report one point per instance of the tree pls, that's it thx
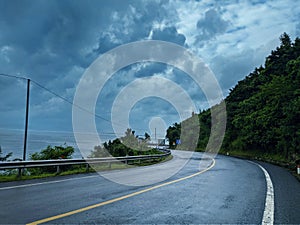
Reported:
(127, 145)
(100, 152)
(263, 110)
(56, 152)
(147, 137)
(173, 134)
(130, 140)
(4, 158)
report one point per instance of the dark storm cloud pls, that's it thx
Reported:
(169, 34)
(47, 38)
(53, 42)
(136, 23)
(211, 25)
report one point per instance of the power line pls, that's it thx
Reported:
(68, 101)
(57, 95)
(13, 76)
(104, 133)
(76, 105)
(63, 98)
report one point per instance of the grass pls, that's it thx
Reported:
(78, 169)
(14, 177)
(148, 162)
(256, 155)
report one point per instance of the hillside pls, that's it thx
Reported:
(263, 110)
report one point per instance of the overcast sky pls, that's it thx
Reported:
(54, 42)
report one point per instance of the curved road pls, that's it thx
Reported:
(226, 190)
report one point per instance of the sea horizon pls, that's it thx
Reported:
(12, 140)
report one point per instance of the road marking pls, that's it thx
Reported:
(120, 198)
(268, 216)
(46, 182)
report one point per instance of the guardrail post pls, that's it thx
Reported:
(20, 171)
(109, 165)
(87, 167)
(130, 161)
(57, 169)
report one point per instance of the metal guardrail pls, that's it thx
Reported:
(87, 161)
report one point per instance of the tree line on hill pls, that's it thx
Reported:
(263, 110)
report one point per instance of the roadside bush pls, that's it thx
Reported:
(56, 152)
(4, 158)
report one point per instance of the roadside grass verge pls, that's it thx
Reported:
(12, 175)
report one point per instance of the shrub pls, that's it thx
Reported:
(56, 152)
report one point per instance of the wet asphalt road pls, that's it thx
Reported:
(233, 191)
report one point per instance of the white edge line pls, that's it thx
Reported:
(46, 182)
(268, 216)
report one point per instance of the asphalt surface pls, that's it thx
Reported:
(287, 195)
(232, 191)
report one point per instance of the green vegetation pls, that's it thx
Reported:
(56, 152)
(113, 148)
(4, 158)
(263, 110)
(77, 169)
(184, 132)
(173, 134)
(128, 145)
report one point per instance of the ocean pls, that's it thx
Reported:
(12, 140)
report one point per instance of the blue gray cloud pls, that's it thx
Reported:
(211, 25)
(53, 42)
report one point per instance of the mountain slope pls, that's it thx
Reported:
(263, 110)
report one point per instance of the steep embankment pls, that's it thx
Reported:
(263, 110)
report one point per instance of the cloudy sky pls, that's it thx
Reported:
(54, 42)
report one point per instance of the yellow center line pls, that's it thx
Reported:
(120, 198)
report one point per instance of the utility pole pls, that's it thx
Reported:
(26, 119)
(155, 138)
